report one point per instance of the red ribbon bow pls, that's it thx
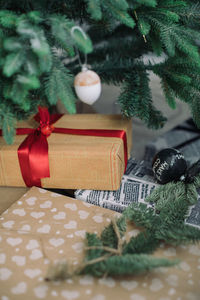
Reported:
(33, 151)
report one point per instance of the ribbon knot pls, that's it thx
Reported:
(46, 129)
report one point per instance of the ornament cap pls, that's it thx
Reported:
(84, 68)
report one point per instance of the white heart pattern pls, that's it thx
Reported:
(42, 191)
(71, 225)
(14, 241)
(32, 244)
(46, 204)
(2, 258)
(108, 281)
(70, 295)
(19, 260)
(20, 288)
(32, 273)
(5, 273)
(26, 227)
(98, 219)
(194, 250)
(102, 297)
(83, 214)
(31, 200)
(78, 247)
(86, 280)
(55, 195)
(80, 233)
(129, 285)
(36, 254)
(41, 291)
(70, 236)
(56, 242)
(19, 211)
(71, 206)
(37, 215)
(4, 298)
(87, 204)
(60, 216)
(8, 224)
(44, 229)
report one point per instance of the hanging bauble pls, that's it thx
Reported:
(169, 165)
(87, 85)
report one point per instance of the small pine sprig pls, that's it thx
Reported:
(102, 260)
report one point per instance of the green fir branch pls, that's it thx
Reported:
(58, 86)
(129, 264)
(116, 28)
(13, 62)
(136, 99)
(94, 9)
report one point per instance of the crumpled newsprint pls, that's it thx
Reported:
(136, 185)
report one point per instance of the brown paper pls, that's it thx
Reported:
(75, 161)
(44, 227)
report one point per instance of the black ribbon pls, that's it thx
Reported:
(193, 128)
(192, 172)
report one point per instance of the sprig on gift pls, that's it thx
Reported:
(101, 260)
(111, 255)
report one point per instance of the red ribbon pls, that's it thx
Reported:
(33, 151)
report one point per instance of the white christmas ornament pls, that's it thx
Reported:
(87, 85)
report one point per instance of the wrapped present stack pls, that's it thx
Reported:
(43, 228)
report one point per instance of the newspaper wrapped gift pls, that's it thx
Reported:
(43, 227)
(75, 161)
(184, 137)
(136, 185)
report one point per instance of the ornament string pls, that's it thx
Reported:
(84, 64)
(87, 83)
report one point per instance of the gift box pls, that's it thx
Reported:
(75, 161)
(42, 228)
(184, 137)
(137, 183)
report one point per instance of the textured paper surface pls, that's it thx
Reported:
(75, 161)
(42, 227)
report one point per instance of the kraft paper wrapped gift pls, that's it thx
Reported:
(43, 227)
(86, 162)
